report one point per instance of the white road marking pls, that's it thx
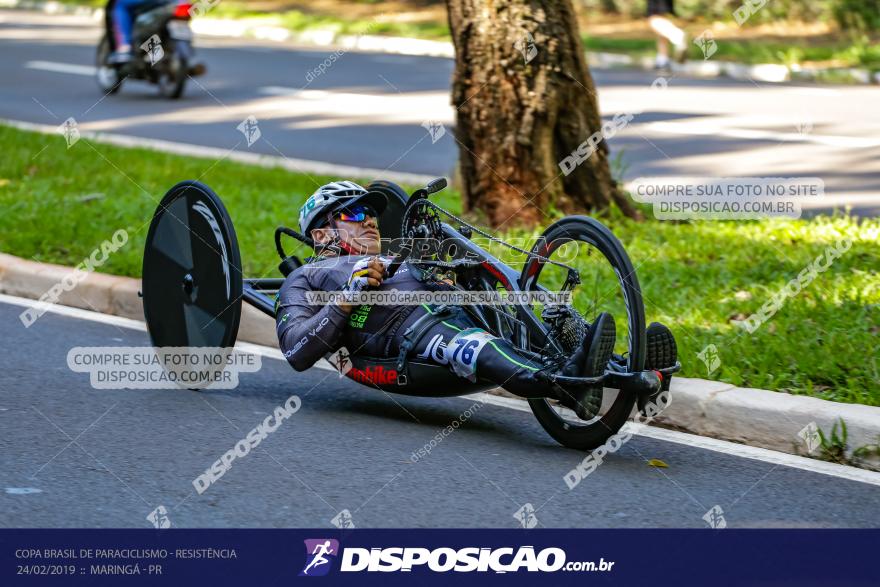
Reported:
(22, 490)
(722, 446)
(710, 129)
(56, 67)
(386, 107)
(76, 312)
(810, 91)
(730, 448)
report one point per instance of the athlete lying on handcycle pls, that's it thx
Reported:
(341, 219)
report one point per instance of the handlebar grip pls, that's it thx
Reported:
(397, 262)
(436, 185)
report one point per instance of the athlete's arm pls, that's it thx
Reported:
(306, 332)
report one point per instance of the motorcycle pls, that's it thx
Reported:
(164, 54)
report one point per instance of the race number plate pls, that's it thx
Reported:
(179, 30)
(463, 350)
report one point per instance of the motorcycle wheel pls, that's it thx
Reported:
(108, 77)
(608, 283)
(172, 78)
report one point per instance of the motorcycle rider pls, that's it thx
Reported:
(119, 16)
(341, 218)
(119, 21)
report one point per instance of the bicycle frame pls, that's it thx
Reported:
(448, 255)
(493, 271)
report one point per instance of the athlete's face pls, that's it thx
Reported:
(357, 228)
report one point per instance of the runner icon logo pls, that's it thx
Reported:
(319, 554)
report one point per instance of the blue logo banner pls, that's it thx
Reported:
(437, 557)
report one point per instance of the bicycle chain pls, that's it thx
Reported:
(493, 238)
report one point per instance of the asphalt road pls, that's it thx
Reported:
(74, 456)
(367, 110)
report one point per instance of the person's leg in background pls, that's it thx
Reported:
(122, 27)
(662, 60)
(666, 31)
(108, 23)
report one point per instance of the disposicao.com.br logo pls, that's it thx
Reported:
(441, 560)
(318, 553)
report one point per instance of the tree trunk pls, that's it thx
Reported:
(525, 100)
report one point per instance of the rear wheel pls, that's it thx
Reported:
(192, 279)
(107, 76)
(172, 75)
(391, 219)
(607, 283)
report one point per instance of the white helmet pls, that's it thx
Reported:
(335, 196)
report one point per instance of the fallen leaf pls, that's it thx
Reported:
(657, 463)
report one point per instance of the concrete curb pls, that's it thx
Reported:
(759, 72)
(765, 419)
(108, 294)
(755, 417)
(225, 27)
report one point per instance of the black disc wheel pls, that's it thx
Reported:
(606, 282)
(192, 280)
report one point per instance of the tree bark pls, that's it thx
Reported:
(525, 100)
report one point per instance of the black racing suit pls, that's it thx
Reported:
(307, 332)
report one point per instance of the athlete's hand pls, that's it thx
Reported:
(368, 272)
(375, 271)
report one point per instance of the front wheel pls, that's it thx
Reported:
(107, 76)
(605, 281)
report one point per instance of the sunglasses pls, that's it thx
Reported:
(356, 214)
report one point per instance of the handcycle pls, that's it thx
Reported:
(193, 289)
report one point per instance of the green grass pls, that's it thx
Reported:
(59, 204)
(91, 3)
(848, 52)
(299, 21)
